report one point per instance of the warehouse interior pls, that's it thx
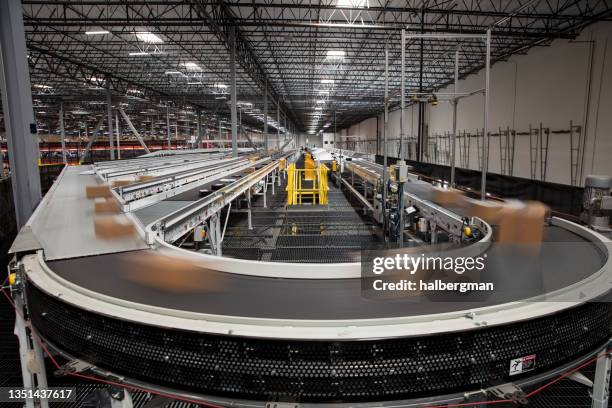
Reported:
(230, 203)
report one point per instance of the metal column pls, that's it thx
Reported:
(168, 125)
(199, 129)
(62, 133)
(385, 131)
(265, 116)
(118, 133)
(249, 211)
(109, 116)
(486, 136)
(21, 134)
(92, 139)
(278, 124)
(233, 91)
(403, 93)
(454, 135)
(265, 191)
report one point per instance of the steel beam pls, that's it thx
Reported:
(92, 139)
(403, 92)
(454, 135)
(133, 129)
(385, 131)
(21, 133)
(199, 134)
(222, 21)
(118, 134)
(234, 100)
(168, 125)
(109, 122)
(486, 136)
(62, 133)
(265, 116)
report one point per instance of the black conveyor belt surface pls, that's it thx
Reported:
(252, 296)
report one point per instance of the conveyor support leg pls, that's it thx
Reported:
(265, 191)
(214, 234)
(31, 356)
(601, 383)
(250, 213)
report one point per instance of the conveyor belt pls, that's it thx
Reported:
(260, 330)
(566, 260)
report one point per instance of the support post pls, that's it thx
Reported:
(403, 94)
(249, 211)
(133, 129)
(385, 131)
(265, 116)
(118, 133)
(199, 130)
(92, 139)
(601, 383)
(62, 133)
(265, 191)
(486, 136)
(234, 101)
(29, 348)
(21, 133)
(454, 135)
(109, 121)
(168, 125)
(278, 124)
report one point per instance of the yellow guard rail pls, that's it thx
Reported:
(316, 175)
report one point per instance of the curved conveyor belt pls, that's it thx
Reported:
(258, 338)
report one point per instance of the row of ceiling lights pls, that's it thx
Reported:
(333, 56)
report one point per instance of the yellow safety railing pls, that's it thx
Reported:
(309, 168)
(323, 187)
(296, 191)
(291, 185)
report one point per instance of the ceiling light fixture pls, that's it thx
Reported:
(335, 54)
(352, 3)
(149, 37)
(192, 66)
(327, 81)
(97, 32)
(138, 54)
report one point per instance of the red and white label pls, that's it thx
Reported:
(522, 364)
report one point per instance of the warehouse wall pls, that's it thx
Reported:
(548, 87)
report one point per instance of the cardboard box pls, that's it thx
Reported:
(113, 227)
(447, 196)
(169, 273)
(485, 210)
(144, 177)
(106, 205)
(98, 191)
(122, 183)
(522, 223)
